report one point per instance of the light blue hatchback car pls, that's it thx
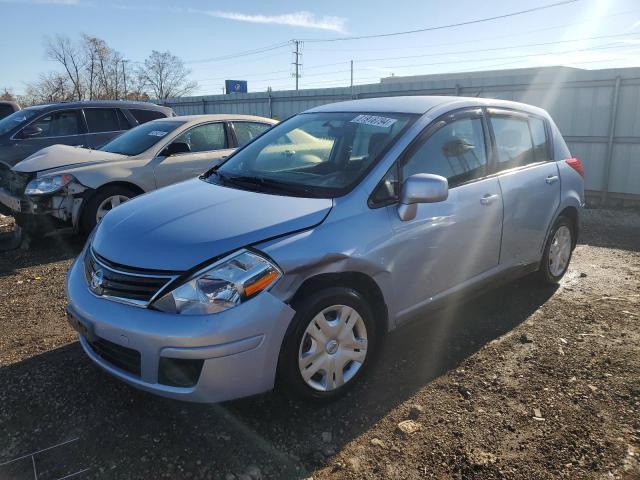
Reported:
(291, 260)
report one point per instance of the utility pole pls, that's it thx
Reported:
(296, 62)
(351, 78)
(124, 78)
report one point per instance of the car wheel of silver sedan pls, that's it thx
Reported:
(557, 251)
(109, 204)
(329, 344)
(102, 202)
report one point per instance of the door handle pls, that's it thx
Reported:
(551, 179)
(488, 199)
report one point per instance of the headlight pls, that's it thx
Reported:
(47, 184)
(224, 285)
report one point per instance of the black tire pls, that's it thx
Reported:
(289, 375)
(544, 273)
(88, 218)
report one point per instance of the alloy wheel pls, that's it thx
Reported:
(560, 251)
(109, 204)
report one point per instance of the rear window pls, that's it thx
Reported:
(103, 120)
(247, 131)
(5, 110)
(144, 116)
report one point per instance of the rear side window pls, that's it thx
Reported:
(514, 143)
(144, 116)
(247, 131)
(204, 138)
(103, 120)
(59, 124)
(455, 151)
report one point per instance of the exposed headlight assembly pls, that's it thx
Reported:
(224, 285)
(47, 184)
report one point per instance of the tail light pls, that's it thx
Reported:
(576, 164)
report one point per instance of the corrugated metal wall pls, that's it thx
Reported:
(604, 133)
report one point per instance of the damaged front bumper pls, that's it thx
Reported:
(41, 212)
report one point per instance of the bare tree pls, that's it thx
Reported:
(7, 95)
(50, 87)
(164, 75)
(61, 49)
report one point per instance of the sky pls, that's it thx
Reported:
(211, 37)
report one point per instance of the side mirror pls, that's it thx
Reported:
(31, 131)
(175, 148)
(421, 188)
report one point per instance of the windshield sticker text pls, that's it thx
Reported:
(374, 120)
(157, 133)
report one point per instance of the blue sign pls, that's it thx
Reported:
(235, 86)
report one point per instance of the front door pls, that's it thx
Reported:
(450, 242)
(530, 184)
(208, 145)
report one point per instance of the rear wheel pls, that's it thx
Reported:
(557, 251)
(102, 202)
(329, 345)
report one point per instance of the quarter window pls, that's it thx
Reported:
(102, 120)
(247, 131)
(144, 116)
(59, 124)
(539, 135)
(455, 151)
(203, 138)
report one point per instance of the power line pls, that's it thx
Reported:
(242, 54)
(475, 40)
(441, 27)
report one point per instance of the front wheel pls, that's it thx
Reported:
(329, 346)
(102, 202)
(557, 251)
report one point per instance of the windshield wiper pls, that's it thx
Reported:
(265, 183)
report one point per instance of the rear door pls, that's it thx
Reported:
(208, 145)
(64, 127)
(103, 124)
(529, 181)
(450, 242)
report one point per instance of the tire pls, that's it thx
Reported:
(89, 218)
(557, 251)
(339, 361)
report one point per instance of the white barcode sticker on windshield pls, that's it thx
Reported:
(157, 133)
(374, 120)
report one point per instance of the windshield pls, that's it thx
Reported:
(15, 119)
(140, 138)
(313, 154)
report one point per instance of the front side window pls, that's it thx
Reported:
(514, 145)
(204, 138)
(102, 120)
(313, 154)
(15, 119)
(455, 151)
(247, 131)
(141, 138)
(58, 124)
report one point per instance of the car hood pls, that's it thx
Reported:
(57, 156)
(181, 226)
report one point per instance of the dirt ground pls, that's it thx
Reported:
(524, 382)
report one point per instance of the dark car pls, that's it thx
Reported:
(88, 124)
(7, 107)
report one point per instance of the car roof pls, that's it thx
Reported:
(418, 104)
(103, 103)
(217, 117)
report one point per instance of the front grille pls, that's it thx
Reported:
(121, 357)
(13, 182)
(132, 285)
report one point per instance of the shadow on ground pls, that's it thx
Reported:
(124, 433)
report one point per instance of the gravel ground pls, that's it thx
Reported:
(524, 382)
